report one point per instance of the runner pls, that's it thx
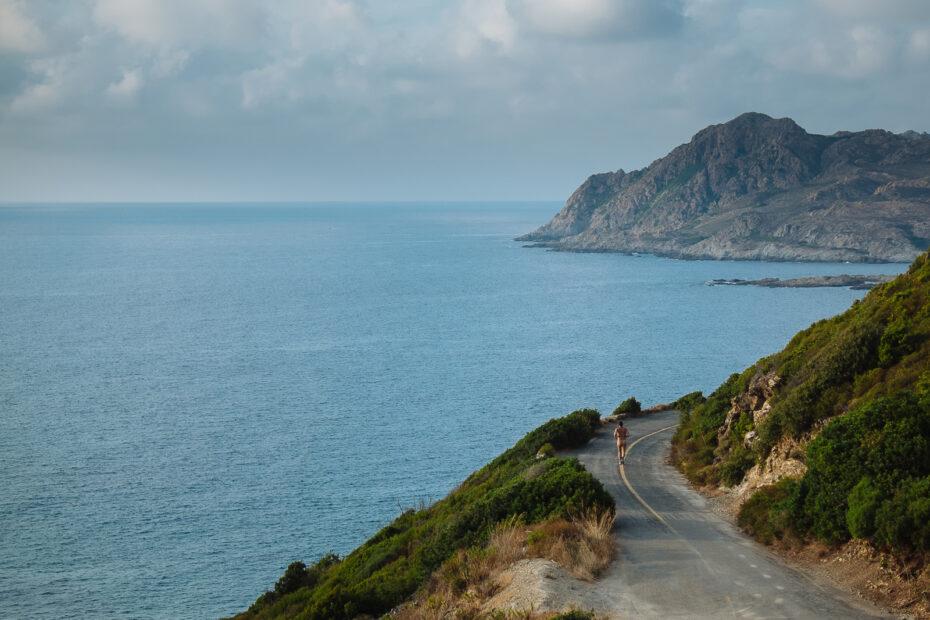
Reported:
(620, 434)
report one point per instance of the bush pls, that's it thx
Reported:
(903, 523)
(695, 442)
(736, 465)
(576, 615)
(768, 514)
(864, 501)
(545, 451)
(629, 406)
(864, 471)
(689, 401)
(897, 340)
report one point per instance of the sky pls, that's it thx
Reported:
(364, 100)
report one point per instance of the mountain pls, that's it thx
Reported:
(760, 188)
(828, 439)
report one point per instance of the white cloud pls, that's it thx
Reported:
(482, 25)
(919, 44)
(273, 83)
(884, 10)
(183, 23)
(49, 91)
(818, 45)
(127, 87)
(318, 49)
(598, 82)
(597, 19)
(18, 33)
(170, 62)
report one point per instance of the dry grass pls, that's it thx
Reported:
(583, 545)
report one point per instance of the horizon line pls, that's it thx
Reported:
(13, 203)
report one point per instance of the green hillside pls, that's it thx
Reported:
(392, 564)
(854, 392)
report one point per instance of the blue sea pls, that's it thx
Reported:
(194, 396)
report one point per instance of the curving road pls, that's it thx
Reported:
(678, 559)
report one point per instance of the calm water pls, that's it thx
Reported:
(191, 397)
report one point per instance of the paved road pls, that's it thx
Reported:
(678, 559)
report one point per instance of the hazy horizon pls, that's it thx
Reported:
(470, 100)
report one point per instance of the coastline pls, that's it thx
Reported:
(688, 256)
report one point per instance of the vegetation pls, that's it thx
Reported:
(545, 451)
(629, 406)
(856, 390)
(582, 544)
(767, 515)
(391, 565)
(576, 615)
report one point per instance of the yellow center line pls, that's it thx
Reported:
(629, 486)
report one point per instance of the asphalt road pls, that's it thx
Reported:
(678, 559)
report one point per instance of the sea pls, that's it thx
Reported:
(192, 396)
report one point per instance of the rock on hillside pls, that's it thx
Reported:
(764, 189)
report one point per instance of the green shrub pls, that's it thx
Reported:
(768, 514)
(897, 340)
(689, 401)
(864, 501)
(862, 470)
(630, 405)
(903, 522)
(545, 451)
(695, 441)
(736, 465)
(576, 615)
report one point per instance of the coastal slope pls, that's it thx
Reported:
(450, 541)
(827, 442)
(760, 188)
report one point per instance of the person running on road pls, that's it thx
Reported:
(620, 435)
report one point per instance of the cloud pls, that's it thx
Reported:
(598, 19)
(127, 87)
(182, 23)
(18, 33)
(49, 91)
(458, 93)
(481, 26)
(312, 43)
(886, 10)
(919, 44)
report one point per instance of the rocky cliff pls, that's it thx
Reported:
(763, 189)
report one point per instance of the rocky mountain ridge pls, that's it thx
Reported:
(760, 188)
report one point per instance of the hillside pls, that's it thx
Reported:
(760, 188)
(829, 439)
(515, 488)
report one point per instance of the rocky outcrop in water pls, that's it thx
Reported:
(855, 282)
(763, 189)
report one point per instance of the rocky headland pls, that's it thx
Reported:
(760, 188)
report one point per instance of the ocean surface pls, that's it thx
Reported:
(193, 396)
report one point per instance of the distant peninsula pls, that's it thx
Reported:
(760, 188)
(859, 283)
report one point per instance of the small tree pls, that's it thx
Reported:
(630, 405)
